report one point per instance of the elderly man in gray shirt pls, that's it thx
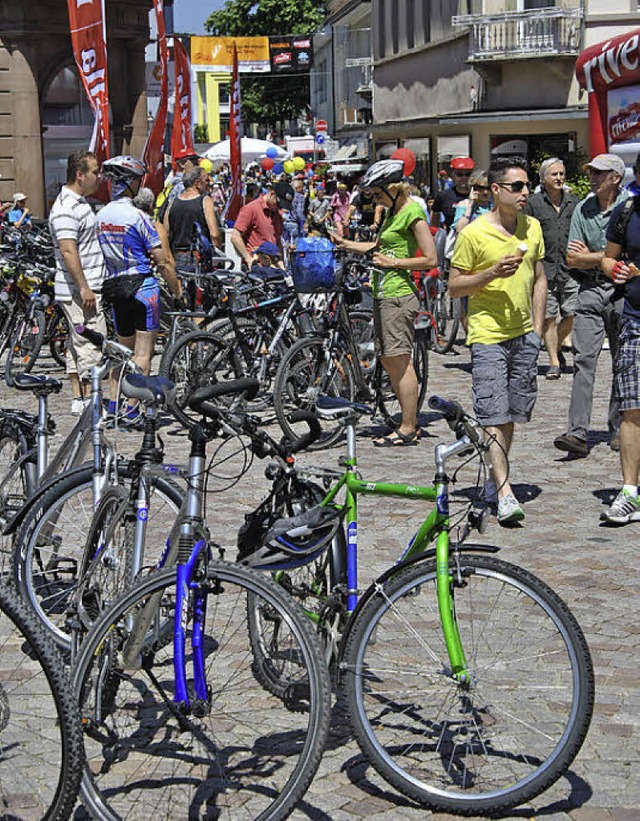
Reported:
(599, 304)
(553, 207)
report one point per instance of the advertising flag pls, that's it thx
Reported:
(235, 145)
(86, 23)
(153, 155)
(181, 134)
(290, 54)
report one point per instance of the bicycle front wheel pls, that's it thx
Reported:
(309, 370)
(41, 751)
(241, 752)
(446, 320)
(508, 735)
(25, 345)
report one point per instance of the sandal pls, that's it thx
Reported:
(395, 439)
(553, 372)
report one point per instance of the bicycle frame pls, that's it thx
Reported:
(435, 526)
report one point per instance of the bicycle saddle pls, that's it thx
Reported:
(40, 385)
(334, 407)
(152, 390)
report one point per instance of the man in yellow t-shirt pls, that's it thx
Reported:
(497, 263)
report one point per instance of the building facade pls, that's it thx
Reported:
(44, 114)
(485, 77)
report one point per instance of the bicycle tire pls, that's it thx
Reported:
(50, 545)
(245, 754)
(105, 563)
(191, 362)
(446, 320)
(303, 375)
(24, 346)
(41, 749)
(15, 483)
(484, 748)
(387, 401)
(57, 335)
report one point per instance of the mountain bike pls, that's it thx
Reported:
(51, 527)
(174, 716)
(340, 361)
(41, 750)
(468, 681)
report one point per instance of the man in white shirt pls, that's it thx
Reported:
(80, 269)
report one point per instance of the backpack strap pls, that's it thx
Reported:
(625, 215)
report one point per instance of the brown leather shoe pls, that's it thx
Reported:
(571, 444)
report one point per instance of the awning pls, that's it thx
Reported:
(348, 167)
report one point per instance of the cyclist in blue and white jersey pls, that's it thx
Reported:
(131, 247)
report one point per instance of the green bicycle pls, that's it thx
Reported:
(469, 683)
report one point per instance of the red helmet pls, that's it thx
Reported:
(462, 164)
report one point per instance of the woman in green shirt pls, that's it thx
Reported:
(404, 230)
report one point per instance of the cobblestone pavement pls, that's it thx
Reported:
(561, 540)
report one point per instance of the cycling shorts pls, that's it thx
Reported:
(140, 312)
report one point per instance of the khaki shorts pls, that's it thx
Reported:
(395, 324)
(82, 355)
(562, 298)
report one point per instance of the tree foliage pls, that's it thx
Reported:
(269, 98)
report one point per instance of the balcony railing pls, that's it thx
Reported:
(523, 34)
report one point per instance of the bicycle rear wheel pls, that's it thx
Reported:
(389, 404)
(503, 739)
(50, 545)
(41, 750)
(307, 371)
(241, 752)
(446, 319)
(24, 345)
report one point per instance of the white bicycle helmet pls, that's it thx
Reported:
(293, 541)
(121, 171)
(383, 173)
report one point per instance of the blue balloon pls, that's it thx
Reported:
(310, 173)
(278, 168)
(272, 152)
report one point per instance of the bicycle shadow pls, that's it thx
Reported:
(580, 793)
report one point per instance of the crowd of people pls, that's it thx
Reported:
(530, 268)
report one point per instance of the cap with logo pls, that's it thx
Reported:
(607, 162)
(462, 164)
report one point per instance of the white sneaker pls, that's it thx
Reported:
(509, 511)
(77, 407)
(625, 508)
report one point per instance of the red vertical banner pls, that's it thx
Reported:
(181, 135)
(87, 27)
(235, 144)
(153, 155)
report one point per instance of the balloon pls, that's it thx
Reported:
(206, 164)
(289, 167)
(299, 163)
(272, 152)
(310, 173)
(408, 158)
(278, 168)
(267, 164)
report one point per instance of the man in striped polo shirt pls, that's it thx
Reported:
(80, 269)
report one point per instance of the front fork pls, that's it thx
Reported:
(184, 584)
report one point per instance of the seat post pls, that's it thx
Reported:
(43, 434)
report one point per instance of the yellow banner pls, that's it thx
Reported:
(216, 53)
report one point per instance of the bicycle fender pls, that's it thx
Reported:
(371, 591)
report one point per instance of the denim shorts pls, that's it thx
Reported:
(504, 379)
(626, 380)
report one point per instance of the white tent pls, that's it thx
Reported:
(252, 151)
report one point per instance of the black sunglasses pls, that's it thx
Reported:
(515, 187)
(462, 173)
(481, 187)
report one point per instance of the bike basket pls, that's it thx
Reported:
(313, 265)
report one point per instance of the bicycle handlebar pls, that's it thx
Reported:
(455, 416)
(307, 439)
(109, 348)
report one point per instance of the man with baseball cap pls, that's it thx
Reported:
(446, 201)
(599, 302)
(19, 214)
